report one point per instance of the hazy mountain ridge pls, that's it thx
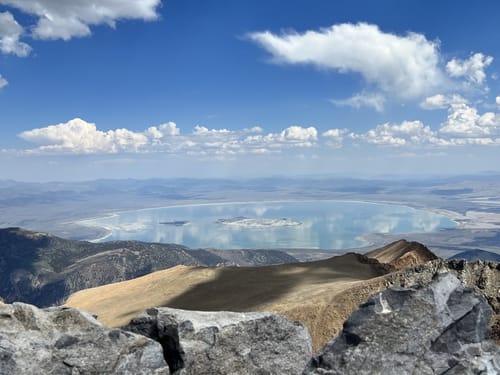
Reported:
(477, 254)
(43, 269)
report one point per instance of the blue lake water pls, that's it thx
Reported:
(310, 224)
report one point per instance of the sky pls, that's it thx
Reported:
(248, 88)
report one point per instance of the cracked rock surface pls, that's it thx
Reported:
(197, 342)
(441, 328)
(483, 277)
(62, 340)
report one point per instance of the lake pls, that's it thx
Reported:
(304, 224)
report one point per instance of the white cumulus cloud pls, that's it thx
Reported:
(3, 82)
(406, 66)
(465, 121)
(293, 136)
(58, 19)
(161, 131)
(363, 99)
(254, 129)
(463, 126)
(471, 69)
(79, 136)
(441, 101)
(202, 130)
(299, 134)
(334, 133)
(335, 137)
(405, 133)
(10, 32)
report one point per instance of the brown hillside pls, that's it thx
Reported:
(307, 292)
(402, 254)
(321, 294)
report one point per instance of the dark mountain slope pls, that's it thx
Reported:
(42, 269)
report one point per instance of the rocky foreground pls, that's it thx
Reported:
(436, 328)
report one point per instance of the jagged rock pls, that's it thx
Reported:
(61, 340)
(441, 328)
(483, 277)
(196, 342)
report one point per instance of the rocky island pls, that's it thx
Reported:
(245, 222)
(175, 223)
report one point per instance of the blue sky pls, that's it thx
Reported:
(144, 88)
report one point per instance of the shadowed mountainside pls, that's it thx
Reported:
(42, 269)
(321, 294)
(302, 291)
(231, 288)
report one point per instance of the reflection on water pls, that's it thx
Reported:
(324, 224)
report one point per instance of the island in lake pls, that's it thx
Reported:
(177, 223)
(246, 222)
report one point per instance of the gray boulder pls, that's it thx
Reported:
(440, 328)
(62, 340)
(196, 342)
(483, 277)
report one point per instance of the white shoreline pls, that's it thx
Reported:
(99, 239)
(225, 203)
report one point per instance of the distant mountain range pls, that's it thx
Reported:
(472, 255)
(43, 269)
